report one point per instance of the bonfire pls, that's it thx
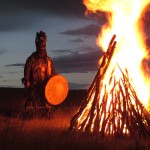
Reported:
(117, 103)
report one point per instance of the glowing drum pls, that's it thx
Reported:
(56, 89)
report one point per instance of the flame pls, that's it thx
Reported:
(123, 19)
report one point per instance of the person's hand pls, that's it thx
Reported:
(28, 84)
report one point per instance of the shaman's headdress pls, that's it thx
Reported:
(40, 36)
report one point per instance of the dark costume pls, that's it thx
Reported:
(38, 69)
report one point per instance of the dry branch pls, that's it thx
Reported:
(115, 112)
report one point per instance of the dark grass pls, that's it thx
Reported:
(53, 133)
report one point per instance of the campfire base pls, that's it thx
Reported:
(112, 109)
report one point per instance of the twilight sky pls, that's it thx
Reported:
(71, 39)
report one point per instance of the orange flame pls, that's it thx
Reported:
(124, 20)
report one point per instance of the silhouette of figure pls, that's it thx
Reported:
(38, 68)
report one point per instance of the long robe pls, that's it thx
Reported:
(37, 70)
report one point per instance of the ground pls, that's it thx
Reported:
(52, 133)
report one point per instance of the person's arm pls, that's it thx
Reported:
(27, 72)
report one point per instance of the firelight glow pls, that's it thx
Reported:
(123, 19)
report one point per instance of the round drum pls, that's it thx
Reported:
(56, 89)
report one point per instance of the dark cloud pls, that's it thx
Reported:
(78, 86)
(62, 7)
(14, 72)
(5, 80)
(75, 62)
(14, 65)
(62, 52)
(89, 30)
(77, 40)
(78, 62)
(16, 14)
(2, 52)
(18, 22)
(1, 76)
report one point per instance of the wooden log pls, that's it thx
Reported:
(124, 115)
(99, 76)
(93, 107)
(122, 102)
(108, 55)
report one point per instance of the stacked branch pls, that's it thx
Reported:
(112, 109)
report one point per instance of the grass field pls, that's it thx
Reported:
(53, 133)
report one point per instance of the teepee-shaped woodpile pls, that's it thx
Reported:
(113, 109)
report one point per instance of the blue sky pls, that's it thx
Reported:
(71, 39)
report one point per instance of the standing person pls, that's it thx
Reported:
(38, 68)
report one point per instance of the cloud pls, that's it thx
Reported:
(82, 61)
(2, 52)
(16, 14)
(63, 7)
(19, 21)
(62, 52)
(78, 86)
(78, 62)
(15, 65)
(77, 40)
(5, 80)
(89, 30)
(14, 72)
(27, 14)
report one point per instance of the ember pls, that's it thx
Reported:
(118, 99)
